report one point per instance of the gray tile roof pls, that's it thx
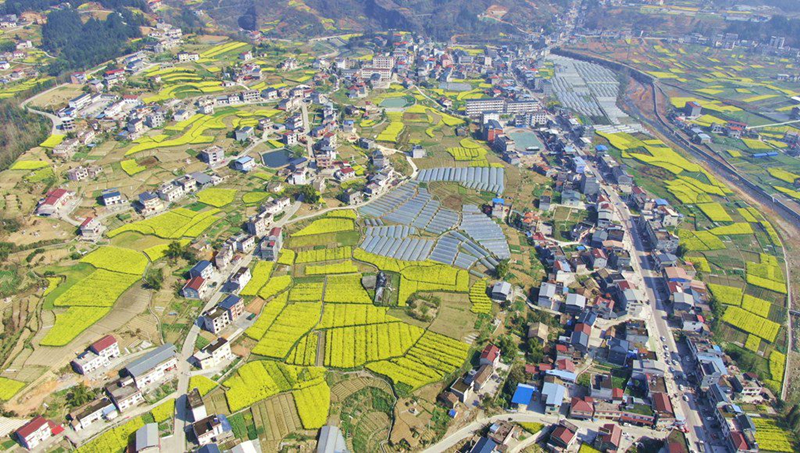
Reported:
(150, 360)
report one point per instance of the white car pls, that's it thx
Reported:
(680, 387)
(663, 339)
(686, 397)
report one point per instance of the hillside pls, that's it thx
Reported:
(439, 19)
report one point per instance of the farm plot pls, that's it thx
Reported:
(305, 353)
(202, 384)
(756, 306)
(699, 241)
(261, 379)
(307, 292)
(292, 324)
(268, 316)
(116, 439)
(468, 154)
(332, 254)
(346, 267)
(346, 289)
(727, 295)
(313, 404)
(275, 285)
(326, 225)
(117, 259)
(174, 224)
(432, 358)
(28, 165)
(216, 197)
(480, 301)
(747, 322)
(157, 252)
(9, 388)
(193, 136)
(131, 167)
(777, 367)
(275, 418)
(260, 275)
(437, 277)
(101, 288)
(350, 347)
(345, 315)
(732, 230)
(773, 437)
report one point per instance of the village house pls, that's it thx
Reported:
(214, 354)
(213, 155)
(216, 320)
(37, 431)
(212, 429)
(97, 356)
(124, 394)
(91, 229)
(239, 279)
(146, 439)
(91, 412)
(150, 204)
(153, 366)
(54, 202)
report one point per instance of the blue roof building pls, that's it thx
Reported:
(523, 396)
(244, 164)
(201, 269)
(230, 301)
(601, 148)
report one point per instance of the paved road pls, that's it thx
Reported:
(585, 425)
(657, 318)
(178, 440)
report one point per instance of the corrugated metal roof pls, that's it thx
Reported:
(150, 360)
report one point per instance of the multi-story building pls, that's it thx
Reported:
(233, 305)
(475, 107)
(97, 356)
(153, 366)
(124, 394)
(36, 431)
(214, 354)
(215, 320)
(91, 412)
(258, 224)
(212, 429)
(213, 155)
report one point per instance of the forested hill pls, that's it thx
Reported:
(80, 45)
(438, 19)
(19, 131)
(19, 6)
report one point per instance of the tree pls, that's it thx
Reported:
(508, 347)
(309, 194)
(154, 278)
(501, 270)
(176, 250)
(80, 395)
